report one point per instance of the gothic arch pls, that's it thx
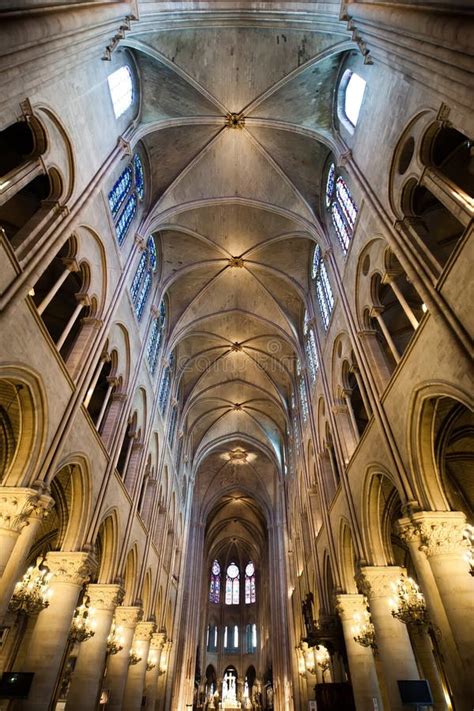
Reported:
(347, 556)
(79, 506)
(108, 540)
(377, 498)
(23, 412)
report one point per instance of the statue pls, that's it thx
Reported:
(307, 607)
(228, 687)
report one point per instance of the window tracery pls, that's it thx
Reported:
(323, 287)
(250, 589)
(311, 352)
(156, 337)
(232, 585)
(165, 385)
(341, 206)
(143, 279)
(125, 195)
(215, 584)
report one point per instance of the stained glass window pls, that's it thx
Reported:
(304, 401)
(121, 90)
(139, 177)
(164, 389)
(124, 196)
(155, 338)
(143, 279)
(232, 581)
(250, 591)
(353, 96)
(323, 287)
(215, 585)
(120, 190)
(342, 207)
(173, 422)
(126, 217)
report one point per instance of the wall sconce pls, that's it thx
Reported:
(363, 630)
(408, 605)
(115, 640)
(133, 658)
(83, 624)
(32, 593)
(152, 661)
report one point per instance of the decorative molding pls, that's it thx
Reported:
(351, 604)
(126, 26)
(234, 120)
(17, 505)
(436, 532)
(144, 631)
(75, 568)
(105, 597)
(377, 581)
(128, 616)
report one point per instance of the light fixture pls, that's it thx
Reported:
(363, 631)
(133, 658)
(32, 593)
(301, 661)
(83, 624)
(309, 661)
(115, 640)
(468, 536)
(408, 605)
(323, 658)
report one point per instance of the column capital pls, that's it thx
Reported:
(158, 640)
(144, 631)
(350, 604)
(75, 567)
(378, 580)
(128, 616)
(437, 532)
(18, 504)
(105, 597)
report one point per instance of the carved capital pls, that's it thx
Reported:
(18, 504)
(144, 631)
(350, 605)
(105, 597)
(128, 616)
(158, 640)
(75, 568)
(436, 532)
(377, 581)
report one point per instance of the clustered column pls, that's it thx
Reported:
(158, 640)
(136, 674)
(86, 681)
(117, 669)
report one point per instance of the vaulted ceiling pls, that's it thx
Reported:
(235, 209)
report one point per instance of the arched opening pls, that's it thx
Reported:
(17, 145)
(354, 396)
(16, 212)
(451, 153)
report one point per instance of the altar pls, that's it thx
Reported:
(230, 704)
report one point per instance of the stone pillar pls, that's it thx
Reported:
(423, 649)
(88, 673)
(38, 507)
(393, 642)
(365, 685)
(441, 535)
(16, 505)
(132, 700)
(49, 638)
(416, 531)
(151, 678)
(117, 668)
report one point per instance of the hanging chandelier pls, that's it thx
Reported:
(322, 657)
(408, 605)
(115, 640)
(133, 658)
(83, 624)
(468, 537)
(32, 593)
(363, 630)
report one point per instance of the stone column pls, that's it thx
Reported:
(365, 685)
(117, 668)
(158, 639)
(441, 535)
(132, 700)
(88, 673)
(423, 649)
(38, 506)
(49, 638)
(16, 504)
(393, 642)
(416, 531)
